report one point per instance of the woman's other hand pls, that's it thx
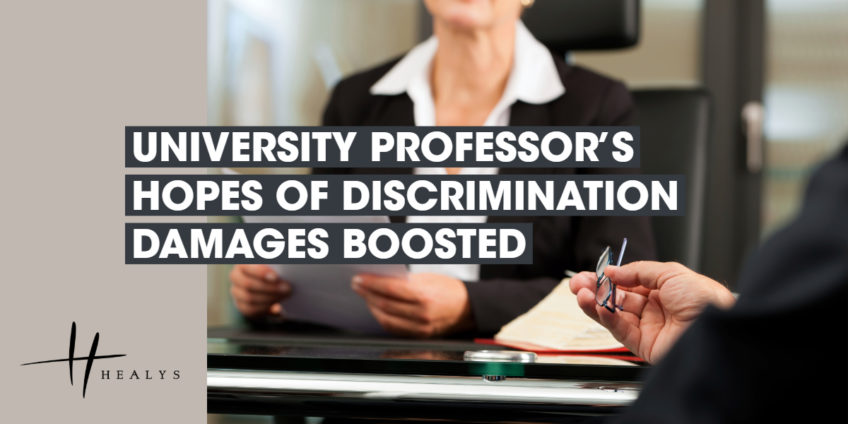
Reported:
(424, 305)
(257, 290)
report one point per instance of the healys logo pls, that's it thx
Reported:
(115, 374)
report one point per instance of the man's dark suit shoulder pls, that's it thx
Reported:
(781, 353)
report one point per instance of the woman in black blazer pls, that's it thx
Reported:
(482, 67)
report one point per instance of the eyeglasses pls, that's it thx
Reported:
(605, 293)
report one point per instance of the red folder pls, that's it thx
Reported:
(616, 353)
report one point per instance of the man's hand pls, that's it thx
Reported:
(659, 301)
(257, 290)
(425, 305)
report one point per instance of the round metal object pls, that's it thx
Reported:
(515, 356)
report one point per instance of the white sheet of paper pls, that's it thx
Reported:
(321, 293)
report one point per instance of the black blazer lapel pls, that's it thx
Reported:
(392, 111)
(526, 114)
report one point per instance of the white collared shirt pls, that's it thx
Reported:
(533, 79)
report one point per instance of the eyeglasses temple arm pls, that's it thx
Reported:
(621, 254)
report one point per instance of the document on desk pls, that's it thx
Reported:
(557, 324)
(322, 294)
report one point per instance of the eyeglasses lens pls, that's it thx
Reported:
(603, 261)
(602, 295)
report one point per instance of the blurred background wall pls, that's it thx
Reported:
(274, 62)
(806, 98)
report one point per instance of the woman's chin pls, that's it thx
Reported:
(467, 22)
(468, 16)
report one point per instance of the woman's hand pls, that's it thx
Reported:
(659, 301)
(257, 290)
(424, 305)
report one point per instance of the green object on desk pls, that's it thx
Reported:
(505, 369)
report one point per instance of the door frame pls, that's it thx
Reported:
(733, 52)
